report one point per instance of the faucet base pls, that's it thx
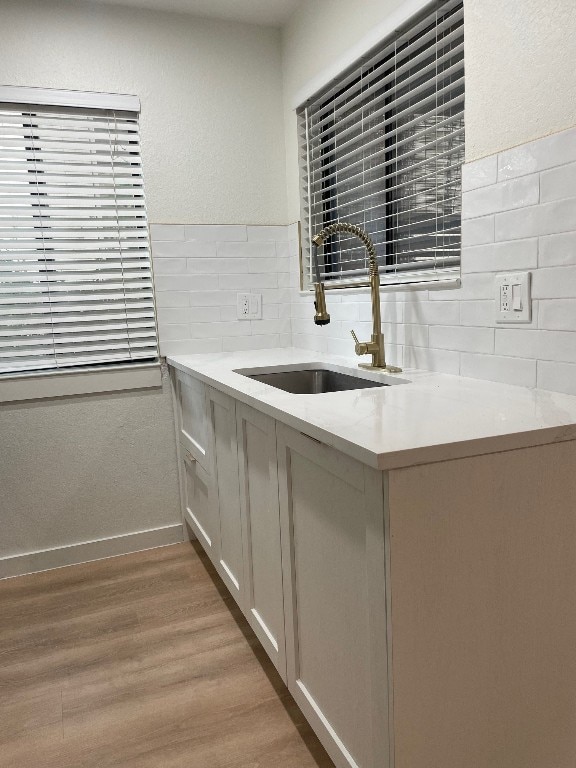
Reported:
(386, 368)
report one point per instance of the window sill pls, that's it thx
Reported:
(50, 385)
(431, 285)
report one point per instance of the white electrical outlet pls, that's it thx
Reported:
(249, 306)
(513, 299)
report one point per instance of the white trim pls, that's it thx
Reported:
(385, 29)
(431, 285)
(15, 94)
(84, 552)
(32, 387)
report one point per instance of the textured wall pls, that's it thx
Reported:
(520, 82)
(519, 55)
(211, 93)
(84, 468)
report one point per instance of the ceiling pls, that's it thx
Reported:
(271, 13)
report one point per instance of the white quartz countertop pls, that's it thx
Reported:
(433, 417)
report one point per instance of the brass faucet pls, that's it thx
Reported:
(375, 346)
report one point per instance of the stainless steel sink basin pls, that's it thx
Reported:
(316, 379)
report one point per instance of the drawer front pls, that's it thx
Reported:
(200, 511)
(193, 428)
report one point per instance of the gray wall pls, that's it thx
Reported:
(81, 468)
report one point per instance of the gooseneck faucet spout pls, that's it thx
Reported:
(374, 347)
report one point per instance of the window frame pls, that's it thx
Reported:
(334, 84)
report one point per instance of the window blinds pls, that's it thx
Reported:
(382, 148)
(75, 272)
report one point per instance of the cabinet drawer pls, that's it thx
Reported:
(192, 423)
(199, 508)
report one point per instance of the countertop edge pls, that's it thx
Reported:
(393, 460)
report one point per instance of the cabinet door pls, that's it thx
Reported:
(335, 597)
(200, 511)
(222, 416)
(190, 396)
(261, 523)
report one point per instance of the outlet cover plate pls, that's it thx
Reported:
(249, 306)
(513, 297)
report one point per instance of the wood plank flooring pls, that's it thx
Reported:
(140, 661)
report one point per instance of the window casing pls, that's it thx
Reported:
(75, 270)
(382, 147)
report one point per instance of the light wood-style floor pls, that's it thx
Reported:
(140, 661)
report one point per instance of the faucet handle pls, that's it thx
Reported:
(361, 348)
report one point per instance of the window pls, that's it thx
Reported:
(382, 147)
(75, 273)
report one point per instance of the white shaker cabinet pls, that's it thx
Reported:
(256, 435)
(335, 596)
(422, 616)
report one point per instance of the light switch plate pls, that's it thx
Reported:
(513, 297)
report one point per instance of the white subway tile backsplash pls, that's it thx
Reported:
(462, 339)
(478, 313)
(233, 250)
(559, 377)
(432, 312)
(478, 231)
(557, 315)
(216, 266)
(440, 360)
(273, 233)
(186, 282)
(505, 196)
(239, 343)
(558, 182)
(480, 173)
(172, 299)
(219, 330)
(501, 257)
(169, 266)
(519, 214)
(215, 233)
(182, 249)
(264, 264)
(554, 283)
(190, 346)
(211, 298)
(539, 155)
(544, 219)
(171, 331)
(251, 282)
(557, 250)
(538, 345)
(172, 315)
(167, 232)
(508, 370)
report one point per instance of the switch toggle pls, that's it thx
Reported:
(513, 300)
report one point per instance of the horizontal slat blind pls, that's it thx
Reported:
(75, 270)
(382, 147)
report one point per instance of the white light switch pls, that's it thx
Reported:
(513, 300)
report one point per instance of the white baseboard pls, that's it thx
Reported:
(44, 560)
